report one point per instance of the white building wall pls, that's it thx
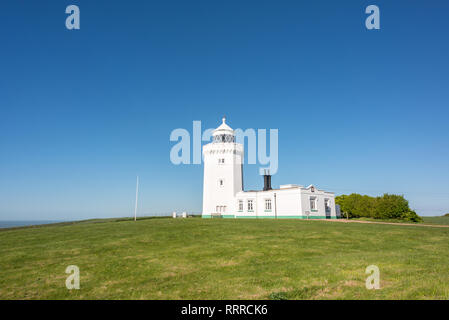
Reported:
(320, 196)
(288, 203)
(284, 203)
(293, 203)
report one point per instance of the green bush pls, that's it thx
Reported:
(356, 205)
(388, 206)
(411, 216)
(391, 206)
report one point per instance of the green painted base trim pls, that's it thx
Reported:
(283, 217)
(246, 217)
(226, 216)
(231, 216)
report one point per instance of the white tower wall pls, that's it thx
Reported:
(222, 174)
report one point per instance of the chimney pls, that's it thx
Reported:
(266, 180)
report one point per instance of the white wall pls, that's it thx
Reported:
(290, 203)
(320, 195)
(230, 172)
(286, 203)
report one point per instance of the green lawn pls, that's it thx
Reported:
(436, 220)
(224, 259)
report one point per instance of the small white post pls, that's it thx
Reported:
(184, 214)
(137, 192)
(174, 214)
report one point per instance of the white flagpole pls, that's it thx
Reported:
(137, 192)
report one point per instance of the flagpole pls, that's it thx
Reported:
(137, 192)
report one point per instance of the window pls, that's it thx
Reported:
(267, 204)
(240, 205)
(250, 205)
(224, 138)
(313, 206)
(221, 209)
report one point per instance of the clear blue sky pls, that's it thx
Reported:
(83, 112)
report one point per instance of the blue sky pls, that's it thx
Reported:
(85, 111)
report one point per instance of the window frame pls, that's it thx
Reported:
(268, 205)
(248, 202)
(240, 205)
(313, 200)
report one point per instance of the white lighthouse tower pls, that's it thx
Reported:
(223, 165)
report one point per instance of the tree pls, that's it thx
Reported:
(388, 206)
(391, 206)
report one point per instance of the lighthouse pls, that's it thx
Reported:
(223, 172)
(224, 197)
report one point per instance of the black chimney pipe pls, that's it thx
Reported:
(266, 180)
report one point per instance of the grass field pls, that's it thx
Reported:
(436, 220)
(224, 259)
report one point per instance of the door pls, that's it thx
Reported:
(327, 208)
